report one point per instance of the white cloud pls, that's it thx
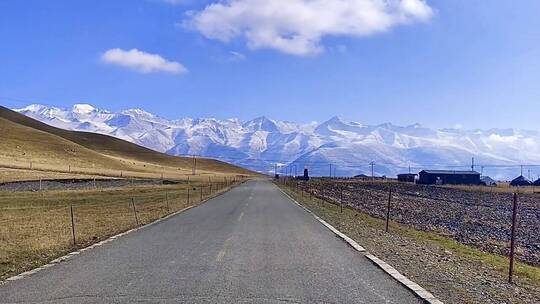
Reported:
(297, 26)
(142, 62)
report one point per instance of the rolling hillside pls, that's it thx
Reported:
(28, 143)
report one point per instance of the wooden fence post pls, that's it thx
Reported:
(512, 238)
(72, 225)
(167, 201)
(135, 211)
(388, 210)
(341, 199)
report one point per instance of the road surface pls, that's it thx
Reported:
(250, 245)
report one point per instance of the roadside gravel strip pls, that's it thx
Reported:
(415, 288)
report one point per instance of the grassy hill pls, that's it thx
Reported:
(29, 144)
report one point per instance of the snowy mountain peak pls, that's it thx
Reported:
(261, 124)
(337, 125)
(137, 112)
(33, 108)
(336, 119)
(414, 126)
(83, 108)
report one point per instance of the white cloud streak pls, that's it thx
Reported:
(142, 62)
(298, 26)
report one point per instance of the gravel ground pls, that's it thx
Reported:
(76, 184)
(448, 275)
(476, 218)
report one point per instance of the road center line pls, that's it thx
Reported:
(240, 217)
(221, 253)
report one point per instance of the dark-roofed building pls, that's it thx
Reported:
(406, 177)
(537, 182)
(487, 181)
(448, 177)
(520, 181)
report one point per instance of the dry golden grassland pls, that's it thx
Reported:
(47, 172)
(35, 227)
(13, 175)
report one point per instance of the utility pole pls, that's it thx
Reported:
(472, 164)
(275, 169)
(330, 170)
(521, 170)
(372, 164)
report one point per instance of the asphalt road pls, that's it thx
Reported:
(250, 245)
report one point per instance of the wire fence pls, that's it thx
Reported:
(49, 225)
(477, 218)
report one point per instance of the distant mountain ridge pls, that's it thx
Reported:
(261, 143)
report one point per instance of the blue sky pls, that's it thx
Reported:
(470, 63)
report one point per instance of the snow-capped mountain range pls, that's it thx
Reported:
(350, 147)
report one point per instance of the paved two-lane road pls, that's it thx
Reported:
(250, 245)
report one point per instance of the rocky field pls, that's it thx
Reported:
(477, 218)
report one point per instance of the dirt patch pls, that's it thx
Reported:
(78, 184)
